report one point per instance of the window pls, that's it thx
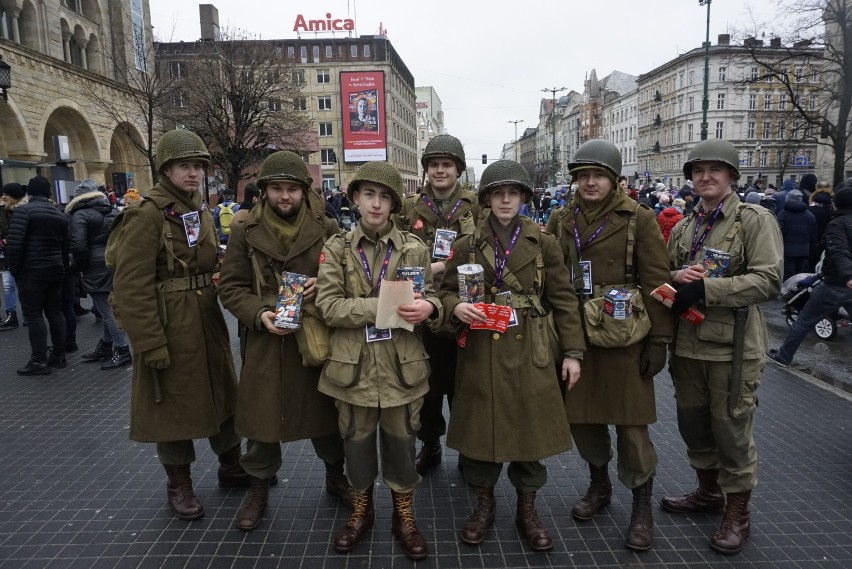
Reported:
(323, 76)
(300, 104)
(814, 76)
(749, 158)
(762, 157)
(752, 102)
(178, 99)
(275, 105)
(299, 77)
(291, 51)
(328, 182)
(177, 69)
(325, 129)
(767, 130)
(329, 52)
(273, 77)
(353, 50)
(782, 129)
(754, 73)
(723, 73)
(782, 102)
(680, 105)
(315, 52)
(366, 50)
(779, 157)
(303, 53)
(799, 73)
(691, 78)
(690, 132)
(691, 104)
(720, 129)
(327, 156)
(812, 103)
(720, 102)
(767, 102)
(750, 133)
(324, 103)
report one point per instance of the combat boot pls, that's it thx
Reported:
(362, 518)
(251, 510)
(597, 496)
(231, 473)
(336, 482)
(404, 527)
(102, 352)
(430, 455)
(527, 520)
(736, 525)
(640, 531)
(706, 499)
(10, 322)
(180, 494)
(121, 357)
(482, 517)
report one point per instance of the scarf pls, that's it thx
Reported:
(504, 234)
(284, 230)
(592, 213)
(191, 200)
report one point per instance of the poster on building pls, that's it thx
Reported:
(363, 116)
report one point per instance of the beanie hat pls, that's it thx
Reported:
(39, 186)
(843, 197)
(808, 182)
(14, 190)
(754, 197)
(822, 197)
(794, 196)
(86, 186)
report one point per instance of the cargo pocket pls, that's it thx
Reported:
(414, 409)
(344, 419)
(342, 365)
(718, 326)
(414, 368)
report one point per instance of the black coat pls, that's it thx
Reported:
(837, 267)
(38, 244)
(91, 217)
(798, 228)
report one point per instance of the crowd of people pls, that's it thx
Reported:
(538, 340)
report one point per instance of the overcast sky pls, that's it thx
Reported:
(489, 60)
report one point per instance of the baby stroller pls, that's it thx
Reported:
(796, 291)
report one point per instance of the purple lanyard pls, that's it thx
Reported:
(366, 266)
(500, 260)
(711, 219)
(434, 208)
(591, 238)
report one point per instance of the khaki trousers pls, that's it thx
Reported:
(183, 452)
(637, 458)
(263, 460)
(526, 476)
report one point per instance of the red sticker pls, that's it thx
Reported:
(322, 257)
(450, 258)
(418, 224)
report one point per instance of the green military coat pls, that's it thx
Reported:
(278, 398)
(611, 389)
(200, 386)
(508, 405)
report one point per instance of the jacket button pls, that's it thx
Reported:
(496, 336)
(198, 292)
(519, 337)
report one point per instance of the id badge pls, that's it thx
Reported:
(586, 269)
(377, 334)
(192, 227)
(507, 301)
(443, 243)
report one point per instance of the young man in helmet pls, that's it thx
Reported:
(377, 377)
(717, 364)
(441, 213)
(163, 251)
(612, 242)
(278, 398)
(508, 405)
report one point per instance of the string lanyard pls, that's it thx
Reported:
(431, 205)
(711, 219)
(366, 266)
(500, 260)
(591, 238)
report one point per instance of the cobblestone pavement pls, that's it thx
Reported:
(75, 492)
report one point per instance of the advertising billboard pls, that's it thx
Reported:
(362, 106)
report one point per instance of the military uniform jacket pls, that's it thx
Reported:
(507, 404)
(383, 374)
(278, 398)
(200, 386)
(611, 389)
(754, 276)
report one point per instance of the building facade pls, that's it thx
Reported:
(430, 121)
(621, 127)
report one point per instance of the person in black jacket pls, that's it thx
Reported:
(37, 249)
(836, 288)
(799, 229)
(91, 218)
(12, 196)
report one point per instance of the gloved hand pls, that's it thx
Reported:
(653, 358)
(687, 295)
(158, 358)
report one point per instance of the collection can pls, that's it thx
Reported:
(288, 310)
(416, 275)
(471, 283)
(715, 262)
(617, 304)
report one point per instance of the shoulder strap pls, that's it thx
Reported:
(255, 267)
(735, 228)
(629, 277)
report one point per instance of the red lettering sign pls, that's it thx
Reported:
(328, 25)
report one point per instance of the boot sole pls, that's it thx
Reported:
(680, 512)
(724, 551)
(253, 526)
(488, 523)
(638, 548)
(189, 518)
(367, 527)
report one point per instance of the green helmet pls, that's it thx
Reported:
(380, 173)
(503, 172)
(284, 166)
(713, 150)
(445, 145)
(597, 153)
(180, 144)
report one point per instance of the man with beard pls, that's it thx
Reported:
(278, 400)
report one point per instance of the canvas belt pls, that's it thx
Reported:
(518, 301)
(186, 283)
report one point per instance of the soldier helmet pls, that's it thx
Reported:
(445, 145)
(713, 150)
(286, 166)
(597, 153)
(504, 172)
(180, 144)
(380, 173)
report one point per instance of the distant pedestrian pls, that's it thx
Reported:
(799, 230)
(13, 195)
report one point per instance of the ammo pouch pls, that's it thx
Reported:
(604, 331)
(313, 338)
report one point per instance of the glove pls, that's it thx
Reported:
(158, 358)
(687, 295)
(653, 358)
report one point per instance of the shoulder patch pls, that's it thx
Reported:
(418, 224)
(322, 257)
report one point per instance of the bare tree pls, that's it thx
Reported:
(814, 67)
(241, 96)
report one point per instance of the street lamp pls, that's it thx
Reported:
(705, 104)
(5, 78)
(515, 122)
(553, 92)
(757, 159)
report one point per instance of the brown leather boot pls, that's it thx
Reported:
(597, 495)
(706, 499)
(482, 517)
(430, 455)
(336, 482)
(640, 531)
(231, 473)
(180, 494)
(736, 525)
(362, 518)
(404, 527)
(251, 510)
(527, 520)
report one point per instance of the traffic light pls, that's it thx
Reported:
(485, 159)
